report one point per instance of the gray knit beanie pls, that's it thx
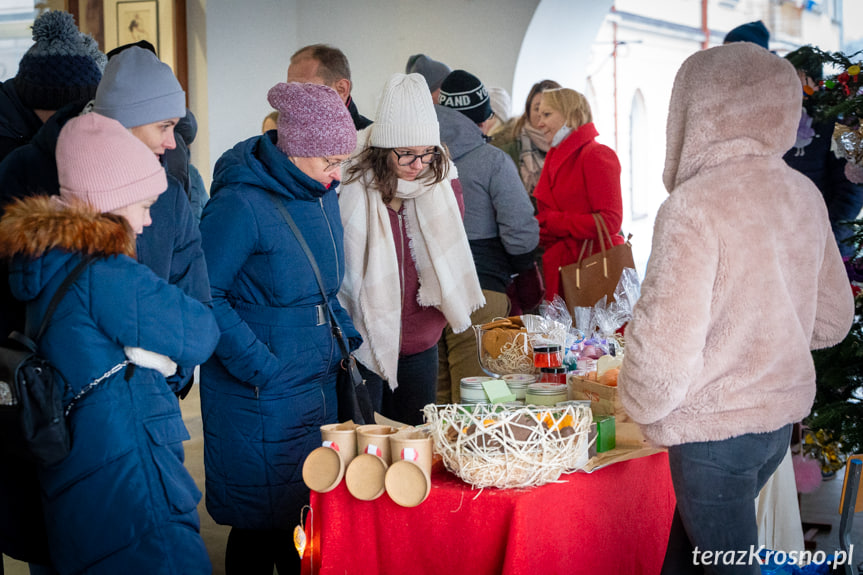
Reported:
(433, 71)
(137, 88)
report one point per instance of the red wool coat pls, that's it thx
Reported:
(580, 177)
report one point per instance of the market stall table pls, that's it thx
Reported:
(615, 520)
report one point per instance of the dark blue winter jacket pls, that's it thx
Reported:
(271, 383)
(122, 501)
(170, 247)
(18, 123)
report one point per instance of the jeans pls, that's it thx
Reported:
(457, 351)
(417, 377)
(716, 483)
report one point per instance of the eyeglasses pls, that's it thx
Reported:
(408, 159)
(333, 164)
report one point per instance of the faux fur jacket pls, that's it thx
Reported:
(744, 278)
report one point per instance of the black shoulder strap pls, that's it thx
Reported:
(61, 291)
(302, 241)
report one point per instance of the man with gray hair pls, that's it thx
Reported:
(327, 65)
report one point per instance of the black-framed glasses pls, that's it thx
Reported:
(409, 158)
(333, 164)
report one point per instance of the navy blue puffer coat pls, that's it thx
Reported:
(271, 382)
(122, 501)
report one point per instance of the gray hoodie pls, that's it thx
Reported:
(498, 215)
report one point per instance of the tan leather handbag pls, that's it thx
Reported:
(587, 280)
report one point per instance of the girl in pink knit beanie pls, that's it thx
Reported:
(121, 496)
(101, 163)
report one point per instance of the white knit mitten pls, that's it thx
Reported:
(150, 359)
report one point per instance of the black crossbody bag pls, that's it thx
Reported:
(32, 419)
(355, 403)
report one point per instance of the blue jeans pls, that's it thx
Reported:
(417, 376)
(716, 483)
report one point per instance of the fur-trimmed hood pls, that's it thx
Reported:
(35, 225)
(753, 110)
(40, 233)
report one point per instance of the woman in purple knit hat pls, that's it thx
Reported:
(271, 383)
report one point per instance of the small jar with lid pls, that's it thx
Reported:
(472, 391)
(548, 355)
(553, 375)
(549, 394)
(518, 382)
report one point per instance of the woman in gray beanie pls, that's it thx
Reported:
(433, 71)
(272, 382)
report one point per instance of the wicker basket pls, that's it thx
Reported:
(490, 445)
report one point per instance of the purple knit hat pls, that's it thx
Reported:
(101, 162)
(313, 121)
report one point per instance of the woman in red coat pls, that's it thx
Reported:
(580, 178)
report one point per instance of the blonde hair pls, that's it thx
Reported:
(272, 117)
(572, 105)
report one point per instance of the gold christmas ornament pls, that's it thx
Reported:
(848, 143)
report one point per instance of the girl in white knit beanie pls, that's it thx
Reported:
(409, 269)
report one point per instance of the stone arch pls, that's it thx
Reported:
(557, 52)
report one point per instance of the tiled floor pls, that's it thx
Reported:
(819, 507)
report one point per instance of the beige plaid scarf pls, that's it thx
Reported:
(532, 156)
(439, 247)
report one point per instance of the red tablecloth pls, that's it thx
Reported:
(615, 520)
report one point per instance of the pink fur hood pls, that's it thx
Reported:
(744, 277)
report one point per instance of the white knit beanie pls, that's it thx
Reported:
(406, 115)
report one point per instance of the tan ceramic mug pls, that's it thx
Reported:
(377, 436)
(408, 479)
(325, 466)
(365, 475)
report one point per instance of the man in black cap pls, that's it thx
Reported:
(464, 92)
(498, 219)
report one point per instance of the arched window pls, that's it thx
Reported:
(638, 150)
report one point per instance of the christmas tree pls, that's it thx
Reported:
(837, 415)
(836, 421)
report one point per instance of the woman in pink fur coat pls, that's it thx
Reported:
(580, 177)
(744, 279)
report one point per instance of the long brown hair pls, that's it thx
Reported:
(376, 161)
(540, 86)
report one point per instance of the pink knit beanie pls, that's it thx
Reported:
(313, 121)
(101, 162)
